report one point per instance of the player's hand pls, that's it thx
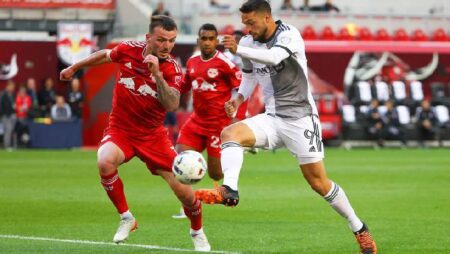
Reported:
(230, 43)
(66, 74)
(152, 63)
(231, 107)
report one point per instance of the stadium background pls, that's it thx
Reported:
(402, 193)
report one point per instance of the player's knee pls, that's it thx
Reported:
(229, 133)
(106, 166)
(318, 187)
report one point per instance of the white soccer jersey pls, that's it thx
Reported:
(281, 70)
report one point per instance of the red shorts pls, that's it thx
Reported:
(195, 136)
(155, 150)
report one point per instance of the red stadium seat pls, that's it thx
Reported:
(382, 35)
(365, 34)
(344, 35)
(401, 35)
(439, 35)
(228, 29)
(419, 35)
(327, 34)
(309, 33)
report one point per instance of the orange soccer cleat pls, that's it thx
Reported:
(366, 243)
(220, 195)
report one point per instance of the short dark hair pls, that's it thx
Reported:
(166, 22)
(208, 27)
(256, 5)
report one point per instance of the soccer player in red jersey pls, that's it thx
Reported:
(149, 85)
(212, 77)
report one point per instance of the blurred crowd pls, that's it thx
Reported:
(21, 104)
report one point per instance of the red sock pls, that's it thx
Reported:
(194, 213)
(114, 188)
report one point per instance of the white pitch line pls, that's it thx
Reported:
(154, 247)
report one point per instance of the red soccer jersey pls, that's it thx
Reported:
(212, 82)
(135, 107)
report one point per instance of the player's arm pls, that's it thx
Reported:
(248, 84)
(168, 96)
(96, 58)
(288, 43)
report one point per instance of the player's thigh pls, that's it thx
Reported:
(114, 149)
(157, 153)
(261, 131)
(190, 138)
(303, 138)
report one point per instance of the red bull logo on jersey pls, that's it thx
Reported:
(202, 85)
(75, 41)
(147, 90)
(142, 90)
(213, 72)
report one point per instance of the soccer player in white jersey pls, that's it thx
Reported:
(274, 56)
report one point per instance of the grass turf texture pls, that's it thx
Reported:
(403, 195)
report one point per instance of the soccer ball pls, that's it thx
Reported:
(189, 167)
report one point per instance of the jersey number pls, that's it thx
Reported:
(215, 143)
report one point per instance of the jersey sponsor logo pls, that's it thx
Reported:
(127, 82)
(270, 70)
(142, 90)
(128, 65)
(203, 86)
(147, 90)
(192, 70)
(213, 72)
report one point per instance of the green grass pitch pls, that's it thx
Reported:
(403, 195)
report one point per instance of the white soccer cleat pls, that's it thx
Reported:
(125, 227)
(180, 215)
(200, 241)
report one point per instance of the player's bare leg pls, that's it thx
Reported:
(215, 170)
(180, 148)
(233, 137)
(192, 208)
(316, 176)
(109, 157)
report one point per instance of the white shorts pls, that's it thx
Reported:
(302, 137)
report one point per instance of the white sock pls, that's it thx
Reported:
(231, 159)
(339, 201)
(126, 215)
(195, 232)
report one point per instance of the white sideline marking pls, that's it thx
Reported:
(154, 247)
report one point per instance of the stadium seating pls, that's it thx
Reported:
(401, 35)
(439, 35)
(416, 91)
(382, 35)
(419, 35)
(227, 30)
(344, 35)
(364, 34)
(399, 91)
(364, 92)
(382, 91)
(327, 34)
(309, 33)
